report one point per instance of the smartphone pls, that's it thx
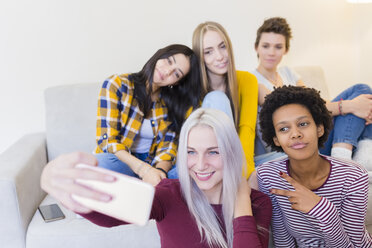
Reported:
(51, 212)
(132, 198)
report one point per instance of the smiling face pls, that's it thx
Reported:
(270, 50)
(169, 71)
(216, 57)
(296, 131)
(204, 161)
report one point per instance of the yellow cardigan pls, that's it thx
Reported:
(248, 100)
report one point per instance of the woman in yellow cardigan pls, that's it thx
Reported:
(238, 90)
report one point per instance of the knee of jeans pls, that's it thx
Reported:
(218, 100)
(216, 95)
(363, 88)
(105, 158)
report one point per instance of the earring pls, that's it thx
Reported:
(170, 86)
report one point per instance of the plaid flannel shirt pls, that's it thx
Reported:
(119, 120)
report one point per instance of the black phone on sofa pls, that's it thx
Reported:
(51, 212)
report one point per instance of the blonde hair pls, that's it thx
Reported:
(233, 161)
(232, 84)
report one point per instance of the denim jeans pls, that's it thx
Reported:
(348, 128)
(266, 157)
(111, 162)
(218, 100)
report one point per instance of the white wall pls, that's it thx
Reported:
(48, 42)
(363, 41)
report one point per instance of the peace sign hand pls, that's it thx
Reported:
(301, 199)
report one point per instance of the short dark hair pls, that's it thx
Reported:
(307, 97)
(181, 96)
(277, 25)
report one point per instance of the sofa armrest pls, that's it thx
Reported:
(20, 170)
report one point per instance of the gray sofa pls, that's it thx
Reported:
(70, 126)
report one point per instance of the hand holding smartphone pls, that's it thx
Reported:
(131, 197)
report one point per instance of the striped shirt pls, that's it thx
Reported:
(336, 221)
(119, 120)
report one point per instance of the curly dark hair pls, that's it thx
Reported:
(277, 25)
(307, 97)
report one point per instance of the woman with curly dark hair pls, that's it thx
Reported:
(318, 201)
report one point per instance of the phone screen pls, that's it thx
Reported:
(51, 212)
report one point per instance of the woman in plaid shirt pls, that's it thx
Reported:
(140, 114)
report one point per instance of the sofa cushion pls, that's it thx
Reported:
(74, 231)
(71, 118)
(313, 76)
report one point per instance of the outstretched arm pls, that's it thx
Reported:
(59, 180)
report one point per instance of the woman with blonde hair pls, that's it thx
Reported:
(234, 92)
(211, 205)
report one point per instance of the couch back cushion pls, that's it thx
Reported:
(313, 76)
(71, 118)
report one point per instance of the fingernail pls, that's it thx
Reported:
(270, 190)
(110, 178)
(280, 173)
(106, 198)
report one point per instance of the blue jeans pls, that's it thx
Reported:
(111, 162)
(218, 100)
(348, 128)
(260, 159)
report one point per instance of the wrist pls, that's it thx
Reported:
(143, 170)
(243, 211)
(164, 171)
(347, 107)
(340, 107)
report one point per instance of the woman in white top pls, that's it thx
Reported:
(352, 109)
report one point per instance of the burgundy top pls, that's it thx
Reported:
(177, 228)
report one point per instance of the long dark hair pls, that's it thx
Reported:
(179, 98)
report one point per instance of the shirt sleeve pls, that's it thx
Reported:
(109, 116)
(280, 234)
(245, 233)
(102, 219)
(166, 149)
(248, 100)
(345, 227)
